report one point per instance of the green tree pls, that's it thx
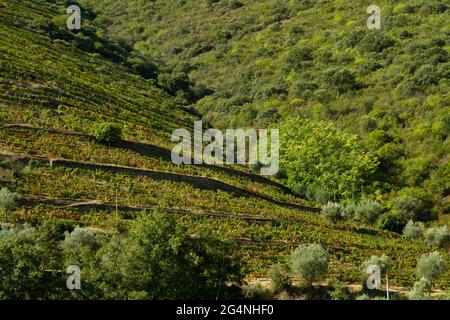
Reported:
(413, 230)
(156, 258)
(107, 132)
(278, 279)
(339, 80)
(310, 262)
(437, 237)
(7, 201)
(318, 155)
(430, 266)
(332, 212)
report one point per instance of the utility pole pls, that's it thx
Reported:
(387, 287)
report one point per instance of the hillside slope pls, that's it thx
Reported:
(266, 60)
(55, 88)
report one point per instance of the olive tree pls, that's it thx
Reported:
(413, 230)
(7, 201)
(430, 266)
(309, 262)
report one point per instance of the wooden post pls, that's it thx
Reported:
(387, 287)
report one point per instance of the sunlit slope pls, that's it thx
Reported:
(50, 79)
(265, 60)
(48, 84)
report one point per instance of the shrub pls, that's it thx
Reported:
(376, 42)
(279, 280)
(7, 201)
(319, 156)
(438, 237)
(340, 292)
(298, 56)
(368, 211)
(348, 211)
(108, 132)
(332, 212)
(253, 291)
(340, 80)
(413, 230)
(79, 238)
(430, 266)
(309, 262)
(23, 262)
(382, 262)
(414, 204)
(391, 222)
(421, 290)
(318, 194)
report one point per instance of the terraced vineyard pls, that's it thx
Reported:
(52, 95)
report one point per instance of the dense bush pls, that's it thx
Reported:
(332, 212)
(376, 42)
(383, 262)
(108, 132)
(413, 230)
(421, 290)
(23, 265)
(348, 211)
(340, 292)
(298, 56)
(278, 279)
(7, 201)
(431, 266)
(415, 205)
(339, 80)
(79, 238)
(317, 155)
(438, 237)
(368, 211)
(161, 261)
(309, 262)
(391, 222)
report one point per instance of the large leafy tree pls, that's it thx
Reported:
(320, 155)
(155, 258)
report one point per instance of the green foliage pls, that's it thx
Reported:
(309, 262)
(431, 266)
(298, 57)
(368, 211)
(413, 230)
(332, 212)
(438, 237)
(23, 264)
(375, 42)
(340, 80)
(349, 211)
(254, 291)
(421, 290)
(340, 292)
(161, 260)
(391, 222)
(79, 238)
(316, 154)
(414, 204)
(108, 132)
(276, 52)
(7, 200)
(278, 279)
(383, 262)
